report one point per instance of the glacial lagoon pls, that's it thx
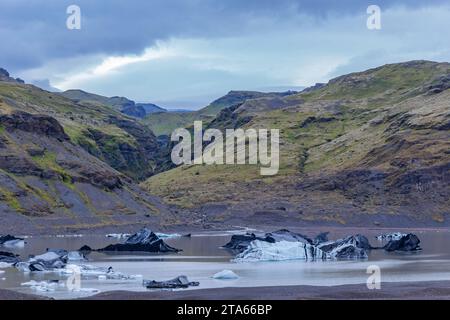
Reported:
(202, 257)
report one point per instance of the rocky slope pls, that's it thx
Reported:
(67, 165)
(367, 148)
(114, 138)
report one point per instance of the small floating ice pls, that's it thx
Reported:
(168, 235)
(69, 236)
(4, 265)
(102, 273)
(14, 244)
(43, 286)
(225, 275)
(75, 256)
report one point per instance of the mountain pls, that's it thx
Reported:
(121, 104)
(68, 165)
(165, 123)
(151, 108)
(370, 147)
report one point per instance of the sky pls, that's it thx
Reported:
(186, 53)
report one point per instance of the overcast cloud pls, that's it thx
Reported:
(185, 53)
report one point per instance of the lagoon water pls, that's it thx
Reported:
(202, 257)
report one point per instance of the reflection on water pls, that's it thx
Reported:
(202, 257)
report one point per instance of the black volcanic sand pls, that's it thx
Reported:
(426, 290)
(12, 295)
(429, 290)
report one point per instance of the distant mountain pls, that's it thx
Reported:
(4, 76)
(367, 148)
(165, 123)
(151, 108)
(121, 104)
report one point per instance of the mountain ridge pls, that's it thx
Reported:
(367, 147)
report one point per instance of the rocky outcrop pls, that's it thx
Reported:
(144, 240)
(137, 155)
(135, 111)
(439, 85)
(5, 76)
(176, 283)
(34, 123)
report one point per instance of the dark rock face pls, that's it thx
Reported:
(144, 240)
(178, 282)
(4, 73)
(40, 124)
(19, 165)
(439, 85)
(408, 242)
(8, 257)
(315, 87)
(138, 160)
(135, 111)
(5, 76)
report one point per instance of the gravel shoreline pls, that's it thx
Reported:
(427, 290)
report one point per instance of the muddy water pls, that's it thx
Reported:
(202, 257)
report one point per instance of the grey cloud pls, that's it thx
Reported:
(33, 32)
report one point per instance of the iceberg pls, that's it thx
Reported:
(12, 241)
(408, 242)
(176, 283)
(43, 286)
(351, 247)
(280, 251)
(7, 259)
(144, 240)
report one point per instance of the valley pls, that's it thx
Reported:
(366, 149)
